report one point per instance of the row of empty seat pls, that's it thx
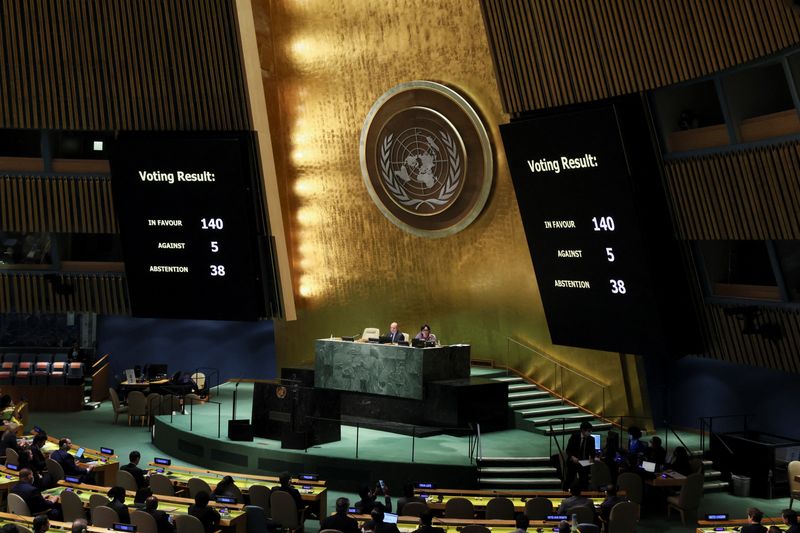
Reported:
(40, 373)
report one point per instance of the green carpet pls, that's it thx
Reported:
(95, 428)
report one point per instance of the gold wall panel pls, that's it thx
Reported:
(324, 64)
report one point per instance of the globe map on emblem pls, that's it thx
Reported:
(426, 159)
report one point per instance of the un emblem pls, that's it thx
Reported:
(426, 159)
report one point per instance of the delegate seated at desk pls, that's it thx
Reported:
(394, 334)
(426, 335)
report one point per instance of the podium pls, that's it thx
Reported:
(297, 415)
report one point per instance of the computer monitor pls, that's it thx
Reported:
(389, 518)
(79, 453)
(647, 466)
(597, 445)
(156, 370)
(384, 339)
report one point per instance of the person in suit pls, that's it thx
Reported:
(522, 522)
(133, 469)
(67, 462)
(38, 459)
(575, 499)
(580, 447)
(754, 517)
(656, 453)
(9, 439)
(227, 487)
(408, 497)
(285, 479)
(369, 499)
(161, 518)
(377, 515)
(207, 515)
(426, 335)
(394, 334)
(611, 500)
(426, 523)
(32, 496)
(790, 519)
(117, 502)
(339, 520)
(40, 523)
(80, 525)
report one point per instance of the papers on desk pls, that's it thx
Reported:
(584, 462)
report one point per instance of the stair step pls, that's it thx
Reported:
(509, 379)
(549, 411)
(708, 463)
(546, 402)
(711, 474)
(571, 428)
(514, 459)
(526, 395)
(570, 417)
(517, 470)
(521, 482)
(715, 485)
(521, 387)
(695, 453)
(534, 395)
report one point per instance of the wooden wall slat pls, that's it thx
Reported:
(635, 46)
(750, 194)
(121, 65)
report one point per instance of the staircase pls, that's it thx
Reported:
(532, 409)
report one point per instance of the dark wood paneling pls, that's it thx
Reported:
(748, 194)
(62, 204)
(121, 64)
(550, 53)
(37, 293)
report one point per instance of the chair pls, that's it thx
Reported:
(370, 333)
(500, 508)
(137, 406)
(459, 508)
(794, 486)
(199, 380)
(24, 373)
(689, 498)
(259, 495)
(144, 522)
(22, 529)
(153, 401)
(600, 475)
(58, 373)
(406, 337)
(475, 529)
(97, 500)
(696, 465)
(160, 484)
(41, 371)
(118, 407)
(414, 509)
(126, 480)
(12, 457)
(284, 510)
(71, 506)
(623, 518)
(538, 508)
(7, 371)
(54, 469)
(75, 373)
(585, 513)
(186, 523)
(632, 485)
(16, 505)
(589, 528)
(256, 519)
(104, 516)
(196, 485)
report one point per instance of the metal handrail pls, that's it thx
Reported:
(559, 369)
(709, 421)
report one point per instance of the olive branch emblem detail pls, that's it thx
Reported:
(447, 191)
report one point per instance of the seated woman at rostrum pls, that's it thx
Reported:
(426, 335)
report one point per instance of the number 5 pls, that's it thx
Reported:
(215, 248)
(610, 254)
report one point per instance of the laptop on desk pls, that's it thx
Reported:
(384, 339)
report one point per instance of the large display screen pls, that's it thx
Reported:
(589, 190)
(193, 235)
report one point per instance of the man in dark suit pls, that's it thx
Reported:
(790, 519)
(580, 447)
(133, 469)
(117, 502)
(32, 496)
(754, 517)
(426, 523)
(161, 518)
(67, 462)
(207, 515)
(394, 334)
(340, 520)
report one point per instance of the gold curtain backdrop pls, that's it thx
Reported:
(323, 66)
